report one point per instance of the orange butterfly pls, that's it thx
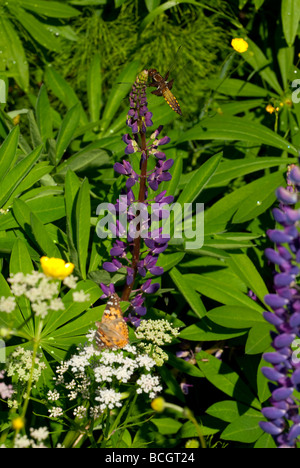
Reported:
(112, 331)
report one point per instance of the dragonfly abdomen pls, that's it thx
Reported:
(171, 100)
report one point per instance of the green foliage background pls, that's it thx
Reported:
(68, 67)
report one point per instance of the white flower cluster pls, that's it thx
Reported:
(155, 333)
(159, 332)
(19, 365)
(38, 438)
(98, 374)
(41, 290)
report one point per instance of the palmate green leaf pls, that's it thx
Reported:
(49, 8)
(10, 184)
(13, 53)
(225, 379)
(290, 16)
(236, 128)
(55, 321)
(8, 151)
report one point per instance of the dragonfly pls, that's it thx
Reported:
(163, 88)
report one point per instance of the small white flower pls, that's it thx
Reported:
(109, 398)
(53, 395)
(80, 412)
(55, 412)
(80, 296)
(70, 281)
(40, 309)
(39, 434)
(7, 304)
(56, 304)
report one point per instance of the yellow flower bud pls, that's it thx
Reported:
(240, 45)
(270, 109)
(158, 404)
(192, 443)
(56, 268)
(18, 423)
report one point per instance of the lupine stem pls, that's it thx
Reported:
(137, 241)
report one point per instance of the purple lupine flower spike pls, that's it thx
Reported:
(284, 373)
(138, 255)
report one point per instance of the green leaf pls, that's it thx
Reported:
(36, 29)
(225, 379)
(63, 91)
(245, 203)
(244, 428)
(54, 331)
(243, 267)
(83, 213)
(223, 292)
(290, 16)
(227, 410)
(258, 339)
(35, 175)
(236, 128)
(13, 53)
(160, 10)
(42, 238)
(236, 316)
(167, 425)
(256, 58)
(8, 151)
(94, 88)
(49, 8)
(118, 92)
(208, 331)
(10, 184)
(66, 131)
(228, 170)
(43, 114)
(233, 87)
(187, 290)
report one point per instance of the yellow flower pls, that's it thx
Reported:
(239, 44)
(158, 404)
(270, 109)
(56, 267)
(18, 423)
